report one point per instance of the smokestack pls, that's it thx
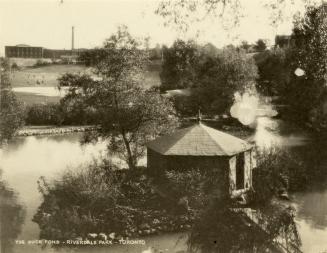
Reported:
(72, 39)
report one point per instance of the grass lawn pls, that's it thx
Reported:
(30, 98)
(43, 76)
(46, 76)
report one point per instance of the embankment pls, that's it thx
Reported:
(49, 130)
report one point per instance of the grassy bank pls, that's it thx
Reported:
(48, 130)
(47, 76)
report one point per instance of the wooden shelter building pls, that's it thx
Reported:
(202, 147)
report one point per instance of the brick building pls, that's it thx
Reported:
(23, 51)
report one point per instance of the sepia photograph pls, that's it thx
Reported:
(163, 126)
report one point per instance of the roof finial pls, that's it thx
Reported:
(199, 118)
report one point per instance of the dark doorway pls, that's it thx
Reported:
(240, 171)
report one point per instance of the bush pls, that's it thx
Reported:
(59, 114)
(43, 114)
(14, 66)
(40, 63)
(101, 199)
(278, 171)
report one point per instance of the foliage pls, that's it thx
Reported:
(43, 114)
(101, 199)
(40, 63)
(233, 231)
(278, 171)
(128, 114)
(179, 65)
(14, 66)
(12, 217)
(188, 186)
(213, 76)
(155, 53)
(260, 45)
(232, 70)
(245, 46)
(184, 15)
(11, 111)
(306, 93)
(274, 71)
(65, 113)
(84, 198)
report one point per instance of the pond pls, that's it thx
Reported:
(24, 160)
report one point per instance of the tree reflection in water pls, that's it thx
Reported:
(223, 229)
(12, 216)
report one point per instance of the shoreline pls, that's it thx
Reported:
(52, 130)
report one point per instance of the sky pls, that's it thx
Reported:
(48, 23)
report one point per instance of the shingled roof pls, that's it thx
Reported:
(199, 140)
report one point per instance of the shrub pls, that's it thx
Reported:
(101, 199)
(278, 171)
(14, 66)
(43, 114)
(40, 63)
(59, 114)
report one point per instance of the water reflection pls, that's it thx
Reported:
(311, 204)
(12, 216)
(272, 132)
(26, 159)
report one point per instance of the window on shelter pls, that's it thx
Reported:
(240, 171)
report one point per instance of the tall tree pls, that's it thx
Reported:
(274, 71)
(307, 90)
(220, 77)
(11, 112)
(179, 65)
(128, 114)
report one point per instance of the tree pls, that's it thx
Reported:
(128, 114)
(11, 112)
(260, 45)
(274, 71)
(220, 77)
(185, 14)
(245, 45)
(214, 75)
(179, 65)
(306, 93)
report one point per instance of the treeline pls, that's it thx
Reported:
(58, 114)
(211, 75)
(296, 72)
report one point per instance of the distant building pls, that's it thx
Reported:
(26, 51)
(56, 53)
(23, 51)
(202, 147)
(283, 41)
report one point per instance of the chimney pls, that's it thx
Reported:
(72, 39)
